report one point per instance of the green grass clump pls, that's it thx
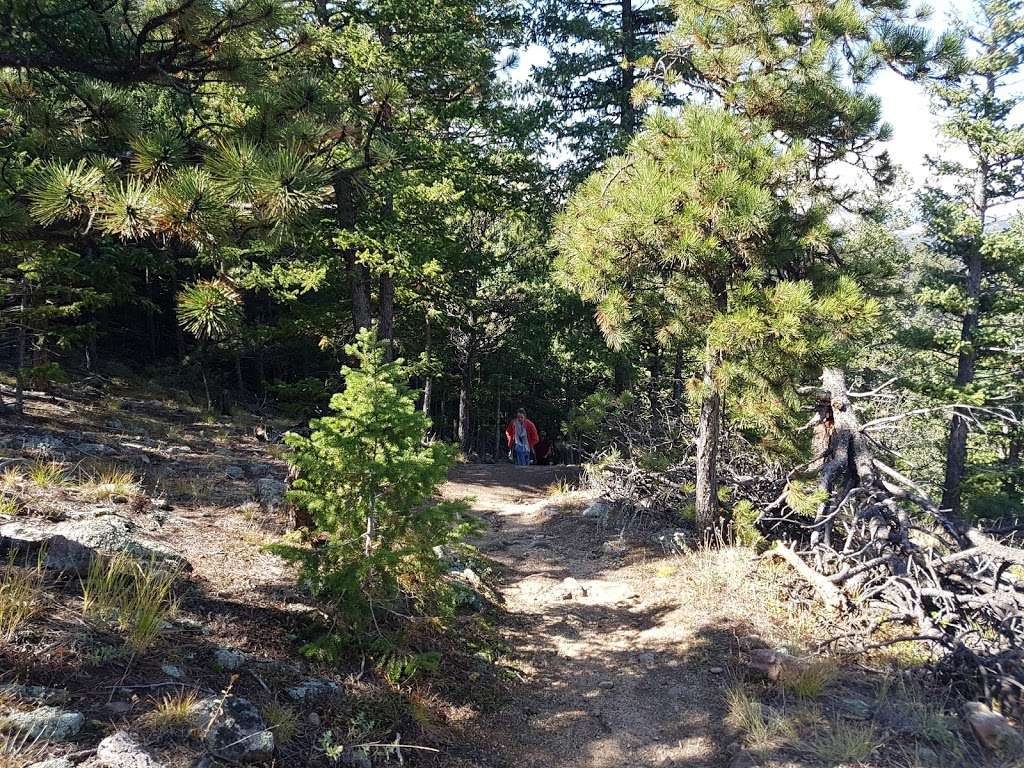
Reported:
(48, 474)
(135, 597)
(110, 482)
(21, 590)
(282, 721)
(843, 744)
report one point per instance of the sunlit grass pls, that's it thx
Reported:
(49, 474)
(844, 743)
(762, 728)
(135, 597)
(21, 591)
(173, 713)
(110, 482)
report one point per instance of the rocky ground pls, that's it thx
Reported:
(584, 646)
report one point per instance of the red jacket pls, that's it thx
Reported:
(531, 433)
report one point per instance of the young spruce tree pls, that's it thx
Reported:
(367, 478)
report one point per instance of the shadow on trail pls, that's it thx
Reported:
(625, 675)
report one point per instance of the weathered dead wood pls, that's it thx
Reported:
(829, 593)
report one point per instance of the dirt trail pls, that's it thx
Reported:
(625, 675)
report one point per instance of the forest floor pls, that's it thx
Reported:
(619, 669)
(597, 647)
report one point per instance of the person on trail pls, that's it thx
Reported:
(521, 434)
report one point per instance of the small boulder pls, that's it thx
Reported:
(43, 446)
(571, 589)
(173, 670)
(43, 724)
(768, 662)
(229, 660)
(53, 762)
(234, 730)
(597, 510)
(71, 545)
(314, 689)
(270, 493)
(234, 472)
(992, 730)
(122, 750)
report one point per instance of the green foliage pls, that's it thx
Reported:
(744, 517)
(209, 309)
(368, 479)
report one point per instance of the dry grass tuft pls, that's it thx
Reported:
(172, 713)
(810, 677)
(49, 474)
(763, 729)
(109, 482)
(21, 591)
(136, 597)
(19, 750)
(282, 721)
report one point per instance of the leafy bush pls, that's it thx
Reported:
(367, 478)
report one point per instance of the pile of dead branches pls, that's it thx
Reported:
(896, 566)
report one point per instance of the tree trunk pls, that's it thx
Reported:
(967, 359)
(709, 428)
(346, 202)
(19, 375)
(465, 388)
(677, 379)
(386, 314)
(627, 112)
(428, 383)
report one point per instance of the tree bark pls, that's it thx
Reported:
(19, 374)
(386, 314)
(967, 359)
(428, 382)
(346, 202)
(465, 390)
(627, 112)
(709, 427)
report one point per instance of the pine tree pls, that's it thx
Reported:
(686, 224)
(367, 479)
(971, 293)
(597, 52)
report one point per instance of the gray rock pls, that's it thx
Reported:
(44, 724)
(571, 589)
(122, 750)
(314, 689)
(597, 510)
(173, 670)
(992, 730)
(71, 545)
(45, 446)
(54, 762)
(270, 492)
(355, 758)
(234, 472)
(234, 729)
(228, 659)
(94, 449)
